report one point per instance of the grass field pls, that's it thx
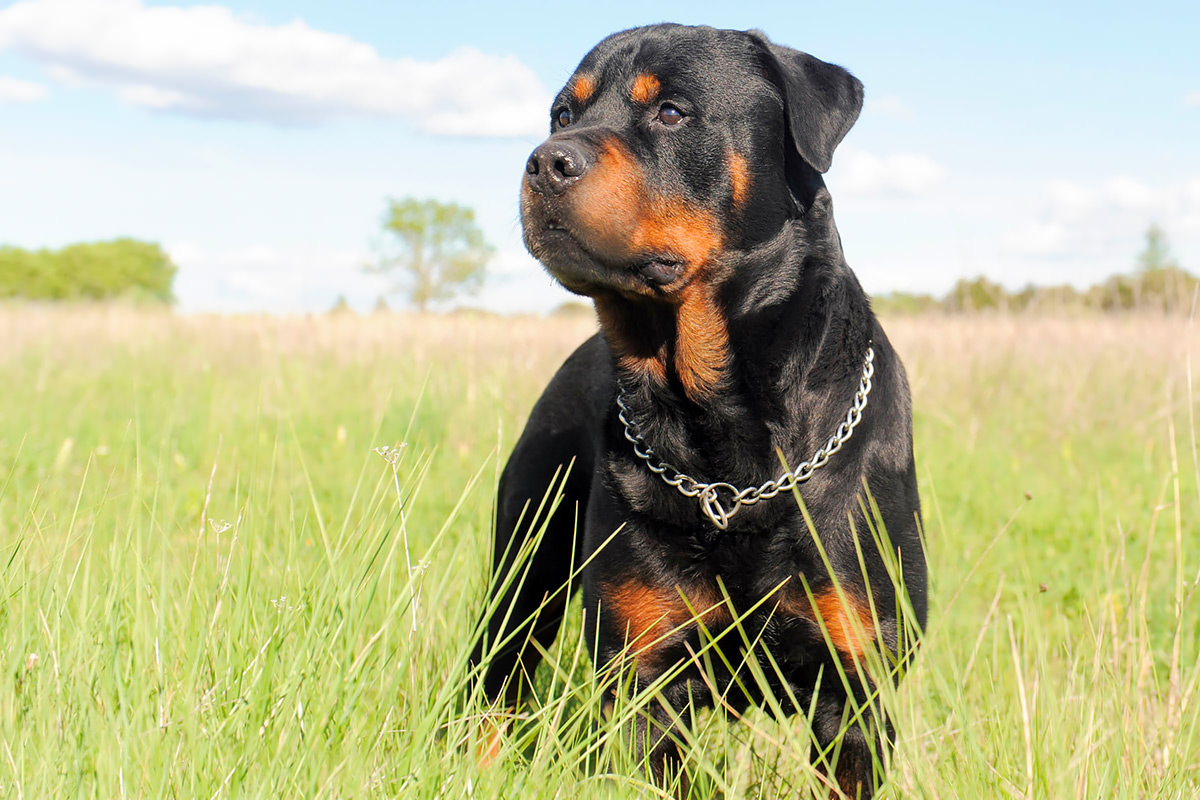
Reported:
(213, 586)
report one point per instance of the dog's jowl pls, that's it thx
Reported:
(738, 364)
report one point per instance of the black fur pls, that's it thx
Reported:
(730, 354)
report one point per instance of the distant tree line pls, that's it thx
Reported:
(1157, 283)
(120, 269)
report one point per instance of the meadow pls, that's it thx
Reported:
(243, 557)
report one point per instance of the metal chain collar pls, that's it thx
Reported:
(710, 493)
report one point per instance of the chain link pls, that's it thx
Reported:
(709, 494)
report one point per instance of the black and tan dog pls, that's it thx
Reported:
(681, 190)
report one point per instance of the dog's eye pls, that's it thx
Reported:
(563, 117)
(669, 115)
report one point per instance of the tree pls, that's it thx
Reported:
(1158, 282)
(436, 247)
(1157, 253)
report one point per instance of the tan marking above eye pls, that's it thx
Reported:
(583, 87)
(645, 89)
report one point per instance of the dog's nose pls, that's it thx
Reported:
(554, 166)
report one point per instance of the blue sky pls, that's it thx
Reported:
(258, 141)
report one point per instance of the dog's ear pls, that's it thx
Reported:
(821, 101)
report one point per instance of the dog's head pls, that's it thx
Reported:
(671, 146)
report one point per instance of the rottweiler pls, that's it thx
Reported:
(736, 440)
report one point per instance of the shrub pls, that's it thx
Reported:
(122, 268)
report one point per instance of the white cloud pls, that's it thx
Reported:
(150, 97)
(1132, 195)
(298, 279)
(1070, 201)
(889, 105)
(1192, 99)
(857, 172)
(264, 278)
(1104, 220)
(1067, 201)
(516, 282)
(208, 61)
(514, 264)
(1036, 238)
(13, 90)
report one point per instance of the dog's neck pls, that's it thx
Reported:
(681, 347)
(683, 350)
(700, 375)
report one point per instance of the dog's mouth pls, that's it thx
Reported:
(582, 267)
(660, 272)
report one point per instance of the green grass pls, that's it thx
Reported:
(213, 586)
